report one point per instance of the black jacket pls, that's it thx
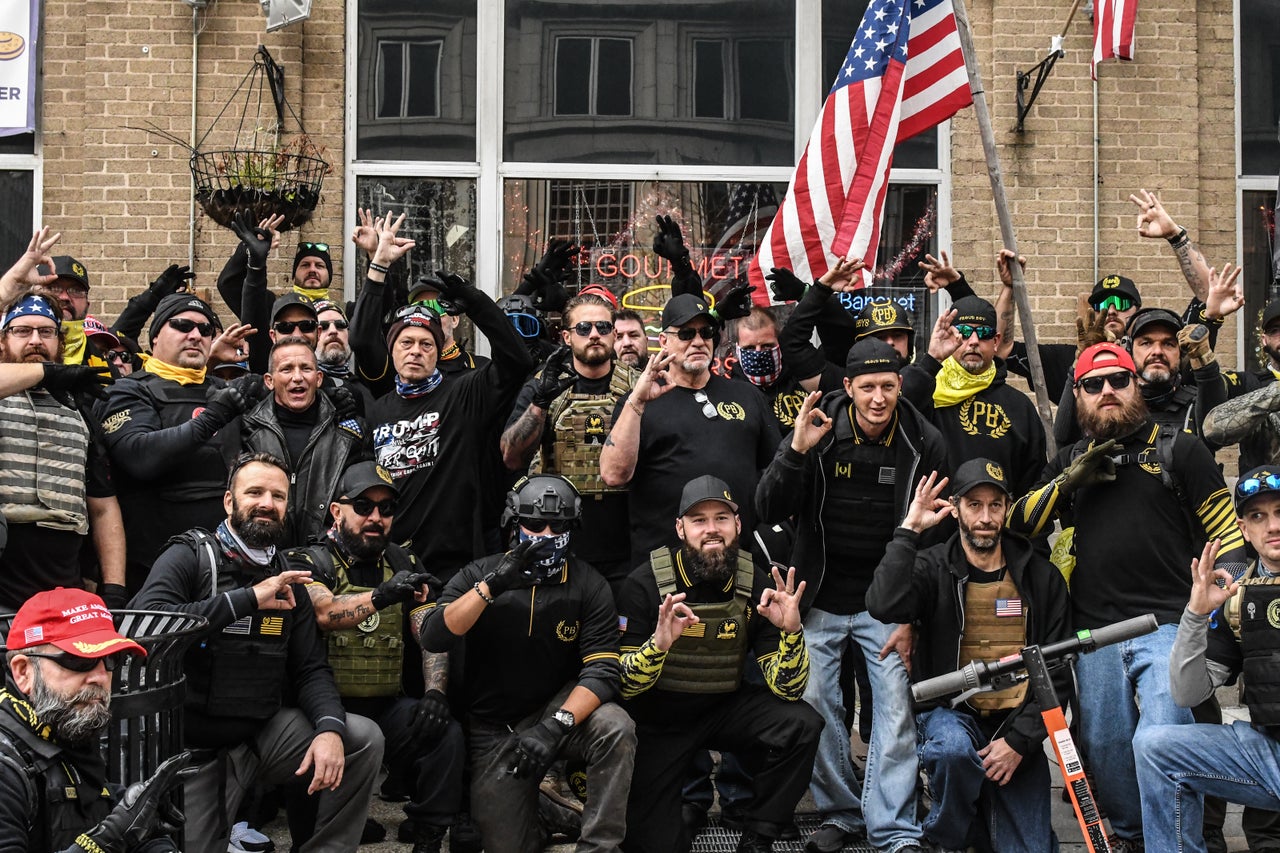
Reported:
(927, 587)
(313, 483)
(794, 486)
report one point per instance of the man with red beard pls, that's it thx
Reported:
(562, 416)
(301, 426)
(1178, 500)
(55, 481)
(261, 700)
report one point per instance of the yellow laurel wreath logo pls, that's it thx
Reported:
(567, 632)
(995, 471)
(384, 475)
(884, 314)
(731, 411)
(974, 414)
(1149, 461)
(966, 417)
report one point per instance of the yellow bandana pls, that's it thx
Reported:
(181, 375)
(955, 384)
(313, 294)
(73, 341)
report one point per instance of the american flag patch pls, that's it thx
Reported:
(242, 626)
(888, 476)
(33, 635)
(622, 624)
(352, 426)
(1008, 606)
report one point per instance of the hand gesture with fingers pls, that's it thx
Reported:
(229, 347)
(276, 592)
(648, 387)
(811, 424)
(840, 277)
(928, 507)
(1226, 295)
(781, 604)
(1002, 266)
(23, 274)
(938, 274)
(673, 617)
(272, 225)
(945, 340)
(1210, 587)
(364, 235)
(391, 247)
(1153, 220)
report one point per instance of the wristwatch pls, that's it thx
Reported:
(564, 718)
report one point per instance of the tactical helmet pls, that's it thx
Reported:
(549, 497)
(523, 314)
(883, 315)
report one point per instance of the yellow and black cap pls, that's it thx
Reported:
(706, 488)
(979, 472)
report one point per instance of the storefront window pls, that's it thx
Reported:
(1260, 87)
(440, 214)
(1258, 232)
(17, 188)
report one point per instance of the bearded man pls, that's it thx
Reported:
(1165, 489)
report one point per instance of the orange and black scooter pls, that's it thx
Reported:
(1033, 663)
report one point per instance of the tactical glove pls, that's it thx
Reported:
(240, 395)
(135, 817)
(536, 748)
(430, 718)
(1092, 467)
(256, 240)
(513, 569)
(786, 287)
(554, 264)
(401, 587)
(550, 383)
(345, 404)
(736, 303)
(1194, 343)
(74, 378)
(457, 295)
(114, 595)
(172, 280)
(669, 242)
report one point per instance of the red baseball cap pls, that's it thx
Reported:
(1104, 355)
(74, 620)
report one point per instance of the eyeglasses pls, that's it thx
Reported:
(688, 333)
(985, 333)
(75, 663)
(527, 325)
(583, 329)
(1116, 301)
(1093, 384)
(364, 506)
(325, 325)
(75, 291)
(114, 355)
(537, 525)
(46, 333)
(286, 327)
(708, 407)
(184, 325)
(314, 247)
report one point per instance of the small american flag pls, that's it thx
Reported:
(904, 73)
(1008, 607)
(1113, 31)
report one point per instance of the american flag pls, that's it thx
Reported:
(751, 209)
(904, 73)
(1008, 606)
(1113, 30)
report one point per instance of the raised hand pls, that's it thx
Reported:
(391, 247)
(938, 273)
(736, 303)
(945, 340)
(781, 604)
(928, 507)
(669, 241)
(811, 424)
(1002, 266)
(364, 235)
(840, 277)
(1153, 220)
(673, 617)
(785, 286)
(256, 239)
(1210, 587)
(1226, 295)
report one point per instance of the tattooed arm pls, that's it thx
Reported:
(520, 439)
(336, 612)
(1154, 222)
(435, 665)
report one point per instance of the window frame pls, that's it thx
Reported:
(593, 77)
(406, 77)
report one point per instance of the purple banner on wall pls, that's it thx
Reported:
(19, 29)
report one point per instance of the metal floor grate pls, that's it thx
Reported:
(715, 839)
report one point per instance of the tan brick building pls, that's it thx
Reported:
(497, 125)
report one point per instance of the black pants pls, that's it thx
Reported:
(777, 740)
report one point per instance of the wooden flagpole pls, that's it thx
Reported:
(1007, 236)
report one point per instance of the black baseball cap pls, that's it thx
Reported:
(1153, 317)
(974, 311)
(872, 355)
(979, 472)
(65, 266)
(288, 300)
(685, 307)
(1115, 285)
(706, 488)
(363, 476)
(1271, 313)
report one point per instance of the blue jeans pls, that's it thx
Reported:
(1178, 765)
(1109, 680)
(887, 809)
(1015, 816)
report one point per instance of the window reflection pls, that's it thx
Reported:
(1257, 229)
(440, 214)
(617, 82)
(1259, 87)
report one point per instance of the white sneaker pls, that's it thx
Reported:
(246, 839)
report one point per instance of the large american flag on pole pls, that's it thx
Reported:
(1113, 31)
(904, 73)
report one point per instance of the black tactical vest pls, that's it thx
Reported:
(858, 515)
(1254, 615)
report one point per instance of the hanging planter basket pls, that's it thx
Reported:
(263, 173)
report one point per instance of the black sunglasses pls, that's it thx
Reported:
(364, 506)
(688, 333)
(537, 525)
(314, 247)
(325, 325)
(184, 325)
(75, 663)
(286, 327)
(985, 333)
(1093, 384)
(583, 329)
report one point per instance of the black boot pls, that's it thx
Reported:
(753, 842)
(428, 839)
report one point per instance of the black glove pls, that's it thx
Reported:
(669, 242)
(172, 280)
(554, 264)
(550, 383)
(257, 241)
(114, 595)
(786, 287)
(457, 295)
(345, 404)
(736, 303)
(135, 817)
(536, 748)
(74, 378)
(430, 718)
(513, 570)
(399, 589)
(240, 395)
(1093, 466)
